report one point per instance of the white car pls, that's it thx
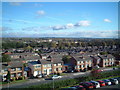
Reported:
(96, 84)
(56, 77)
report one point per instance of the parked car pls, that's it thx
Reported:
(56, 77)
(114, 81)
(95, 84)
(39, 76)
(107, 82)
(87, 85)
(102, 83)
(80, 87)
(118, 78)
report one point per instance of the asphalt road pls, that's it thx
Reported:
(39, 81)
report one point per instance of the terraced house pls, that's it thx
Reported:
(16, 69)
(107, 60)
(46, 67)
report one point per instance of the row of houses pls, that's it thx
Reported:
(32, 64)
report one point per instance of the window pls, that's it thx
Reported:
(78, 62)
(45, 70)
(49, 65)
(81, 61)
(54, 69)
(82, 66)
(37, 66)
(78, 66)
(13, 69)
(19, 69)
(45, 65)
(59, 63)
(5, 69)
(59, 69)
(50, 70)
(13, 75)
(55, 65)
(19, 74)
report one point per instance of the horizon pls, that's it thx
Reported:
(60, 19)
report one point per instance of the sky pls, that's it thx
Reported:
(60, 19)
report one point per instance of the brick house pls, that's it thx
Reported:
(78, 62)
(46, 67)
(107, 60)
(16, 69)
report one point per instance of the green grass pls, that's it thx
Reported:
(17, 81)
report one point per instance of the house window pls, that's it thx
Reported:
(50, 70)
(5, 69)
(54, 69)
(82, 66)
(19, 69)
(45, 70)
(13, 75)
(37, 66)
(60, 69)
(13, 69)
(78, 62)
(19, 74)
(81, 61)
(59, 63)
(55, 65)
(45, 65)
(49, 65)
(78, 66)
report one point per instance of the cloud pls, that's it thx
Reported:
(15, 3)
(69, 25)
(83, 23)
(5, 29)
(58, 27)
(107, 20)
(40, 12)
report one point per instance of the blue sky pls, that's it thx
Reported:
(60, 19)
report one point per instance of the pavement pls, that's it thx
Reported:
(37, 81)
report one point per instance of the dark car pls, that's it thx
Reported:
(114, 81)
(118, 78)
(80, 87)
(87, 85)
(107, 82)
(102, 83)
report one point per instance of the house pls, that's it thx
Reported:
(106, 60)
(78, 62)
(16, 69)
(46, 67)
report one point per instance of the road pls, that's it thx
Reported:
(31, 82)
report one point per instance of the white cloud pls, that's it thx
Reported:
(107, 20)
(69, 25)
(41, 12)
(83, 23)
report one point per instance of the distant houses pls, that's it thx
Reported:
(49, 63)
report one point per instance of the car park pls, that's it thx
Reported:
(96, 84)
(87, 85)
(102, 83)
(114, 81)
(107, 82)
(56, 77)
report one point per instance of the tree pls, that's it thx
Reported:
(66, 58)
(8, 76)
(6, 58)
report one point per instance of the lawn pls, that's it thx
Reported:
(17, 81)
